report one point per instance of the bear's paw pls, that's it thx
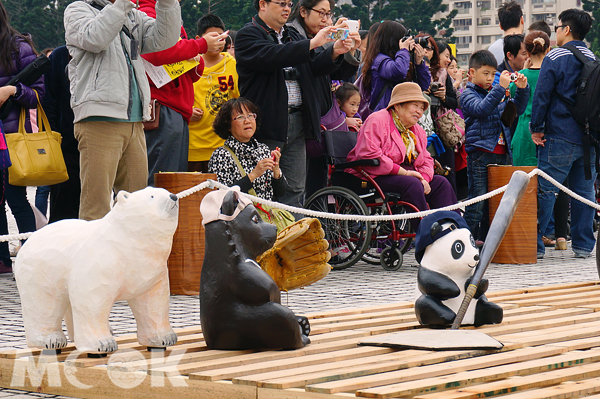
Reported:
(55, 340)
(304, 325)
(106, 345)
(167, 339)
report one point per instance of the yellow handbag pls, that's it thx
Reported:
(37, 158)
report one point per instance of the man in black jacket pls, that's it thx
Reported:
(274, 65)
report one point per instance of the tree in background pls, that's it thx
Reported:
(593, 7)
(416, 15)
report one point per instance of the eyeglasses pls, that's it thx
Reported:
(559, 26)
(242, 118)
(282, 4)
(322, 14)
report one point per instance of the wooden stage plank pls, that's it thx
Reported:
(552, 349)
(483, 373)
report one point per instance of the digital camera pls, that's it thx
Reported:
(435, 86)
(514, 76)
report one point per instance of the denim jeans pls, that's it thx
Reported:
(16, 197)
(477, 215)
(560, 160)
(293, 160)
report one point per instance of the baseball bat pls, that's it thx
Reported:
(508, 204)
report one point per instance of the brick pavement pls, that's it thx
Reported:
(360, 285)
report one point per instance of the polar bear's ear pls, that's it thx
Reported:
(230, 203)
(122, 196)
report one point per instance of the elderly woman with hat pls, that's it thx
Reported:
(393, 136)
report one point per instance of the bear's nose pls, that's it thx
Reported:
(476, 257)
(173, 197)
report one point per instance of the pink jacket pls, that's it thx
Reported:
(378, 138)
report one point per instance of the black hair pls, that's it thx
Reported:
(307, 4)
(537, 42)
(482, 58)
(222, 123)
(509, 15)
(579, 21)
(541, 26)
(230, 40)
(386, 40)
(345, 91)
(8, 42)
(256, 5)
(512, 44)
(208, 21)
(363, 33)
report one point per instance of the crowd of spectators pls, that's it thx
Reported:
(251, 106)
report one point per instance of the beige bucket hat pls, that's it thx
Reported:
(405, 92)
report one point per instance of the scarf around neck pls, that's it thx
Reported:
(408, 138)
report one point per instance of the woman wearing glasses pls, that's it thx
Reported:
(242, 161)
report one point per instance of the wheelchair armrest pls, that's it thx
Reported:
(360, 162)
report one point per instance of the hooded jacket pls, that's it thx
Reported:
(100, 77)
(178, 94)
(25, 96)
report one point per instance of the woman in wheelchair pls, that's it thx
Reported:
(393, 136)
(242, 161)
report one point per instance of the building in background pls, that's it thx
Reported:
(476, 25)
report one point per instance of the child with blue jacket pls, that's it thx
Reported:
(487, 138)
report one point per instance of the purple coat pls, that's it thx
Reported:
(25, 95)
(393, 71)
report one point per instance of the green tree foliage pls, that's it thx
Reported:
(43, 19)
(416, 15)
(593, 7)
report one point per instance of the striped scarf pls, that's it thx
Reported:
(408, 138)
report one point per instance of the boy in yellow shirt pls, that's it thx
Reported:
(219, 83)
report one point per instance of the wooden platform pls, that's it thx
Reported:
(552, 350)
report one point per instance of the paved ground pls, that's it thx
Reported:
(360, 285)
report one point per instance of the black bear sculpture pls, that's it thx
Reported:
(240, 304)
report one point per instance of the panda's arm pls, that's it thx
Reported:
(253, 286)
(481, 288)
(436, 284)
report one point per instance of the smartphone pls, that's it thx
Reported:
(339, 34)
(353, 25)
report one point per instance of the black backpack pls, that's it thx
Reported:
(586, 109)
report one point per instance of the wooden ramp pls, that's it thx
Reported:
(552, 350)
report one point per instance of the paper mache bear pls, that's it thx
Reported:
(448, 255)
(240, 304)
(76, 269)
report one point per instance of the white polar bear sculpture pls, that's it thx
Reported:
(76, 270)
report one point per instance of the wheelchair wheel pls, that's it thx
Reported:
(348, 239)
(391, 260)
(380, 237)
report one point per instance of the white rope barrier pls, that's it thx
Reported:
(211, 184)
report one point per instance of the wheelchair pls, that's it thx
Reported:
(382, 243)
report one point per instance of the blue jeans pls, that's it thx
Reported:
(41, 199)
(477, 215)
(16, 196)
(560, 160)
(293, 160)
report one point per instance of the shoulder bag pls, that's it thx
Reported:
(278, 217)
(37, 158)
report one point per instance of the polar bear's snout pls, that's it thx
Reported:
(173, 197)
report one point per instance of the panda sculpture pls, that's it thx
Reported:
(448, 255)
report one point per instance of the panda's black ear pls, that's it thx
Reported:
(435, 229)
(230, 203)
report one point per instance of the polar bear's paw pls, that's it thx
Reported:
(166, 339)
(54, 340)
(106, 345)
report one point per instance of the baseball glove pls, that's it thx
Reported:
(299, 256)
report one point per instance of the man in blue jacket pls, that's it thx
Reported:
(274, 65)
(559, 137)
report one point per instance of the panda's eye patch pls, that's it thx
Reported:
(255, 218)
(473, 242)
(457, 249)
